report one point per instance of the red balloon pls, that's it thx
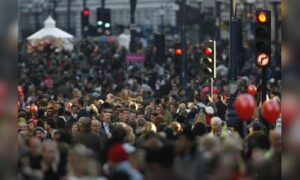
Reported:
(271, 111)
(252, 90)
(20, 91)
(33, 108)
(290, 110)
(244, 106)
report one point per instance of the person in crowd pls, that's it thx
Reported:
(82, 109)
(74, 116)
(218, 128)
(39, 132)
(106, 125)
(255, 139)
(118, 162)
(86, 137)
(74, 129)
(221, 107)
(50, 126)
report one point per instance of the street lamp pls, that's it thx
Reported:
(276, 4)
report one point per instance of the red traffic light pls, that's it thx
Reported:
(208, 51)
(86, 12)
(261, 17)
(178, 51)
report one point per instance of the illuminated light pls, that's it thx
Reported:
(99, 23)
(208, 51)
(262, 17)
(107, 25)
(178, 51)
(86, 12)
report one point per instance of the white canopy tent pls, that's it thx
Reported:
(51, 32)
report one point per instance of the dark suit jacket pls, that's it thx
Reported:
(89, 139)
(110, 127)
(83, 113)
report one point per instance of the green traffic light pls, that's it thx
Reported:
(107, 25)
(100, 23)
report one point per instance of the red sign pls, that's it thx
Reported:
(263, 60)
(137, 57)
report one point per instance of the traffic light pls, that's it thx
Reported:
(209, 59)
(263, 37)
(103, 21)
(178, 51)
(85, 21)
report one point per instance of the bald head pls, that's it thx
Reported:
(95, 127)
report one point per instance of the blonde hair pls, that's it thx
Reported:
(176, 127)
(148, 127)
(130, 137)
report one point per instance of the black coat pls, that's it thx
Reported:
(89, 139)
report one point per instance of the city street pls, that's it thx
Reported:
(154, 90)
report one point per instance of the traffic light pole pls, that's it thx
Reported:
(233, 87)
(211, 87)
(84, 4)
(132, 26)
(183, 45)
(264, 84)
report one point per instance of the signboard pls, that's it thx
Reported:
(263, 60)
(135, 57)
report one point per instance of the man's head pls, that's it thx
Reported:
(106, 116)
(254, 126)
(34, 146)
(84, 124)
(39, 133)
(49, 124)
(216, 124)
(95, 126)
(74, 109)
(126, 114)
(109, 97)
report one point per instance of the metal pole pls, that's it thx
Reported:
(233, 65)
(54, 9)
(200, 22)
(183, 45)
(69, 15)
(264, 84)
(211, 87)
(102, 4)
(132, 25)
(218, 20)
(277, 54)
(84, 4)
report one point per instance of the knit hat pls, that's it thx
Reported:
(117, 153)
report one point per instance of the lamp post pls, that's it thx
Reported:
(183, 73)
(218, 19)
(276, 4)
(200, 20)
(132, 25)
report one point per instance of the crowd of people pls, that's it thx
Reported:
(87, 114)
